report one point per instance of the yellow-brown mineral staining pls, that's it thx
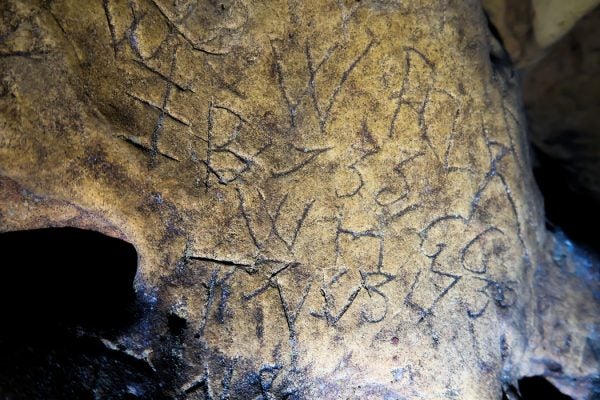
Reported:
(335, 195)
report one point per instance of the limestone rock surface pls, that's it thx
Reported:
(334, 196)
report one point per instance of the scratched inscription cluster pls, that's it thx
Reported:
(365, 190)
(238, 152)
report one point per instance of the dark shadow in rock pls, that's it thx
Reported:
(62, 292)
(58, 277)
(568, 208)
(539, 388)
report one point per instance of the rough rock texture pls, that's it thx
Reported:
(332, 198)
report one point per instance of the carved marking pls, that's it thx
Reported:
(398, 169)
(161, 108)
(367, 146)
(312, 155)
(481, 236)
(203, 382)
(166, 78)
(270, 282)
(213, 283)
(201, 46)
(224, 174)
(353, 192)
(33, 55)
(250, 268)
(138, 145)
(275, 229)
(329, 312)
(111, 26)
(381, 279)
(323, 114)
(291, 311)
(418, 106)
(162, 113)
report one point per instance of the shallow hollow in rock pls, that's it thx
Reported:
(59, 276)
